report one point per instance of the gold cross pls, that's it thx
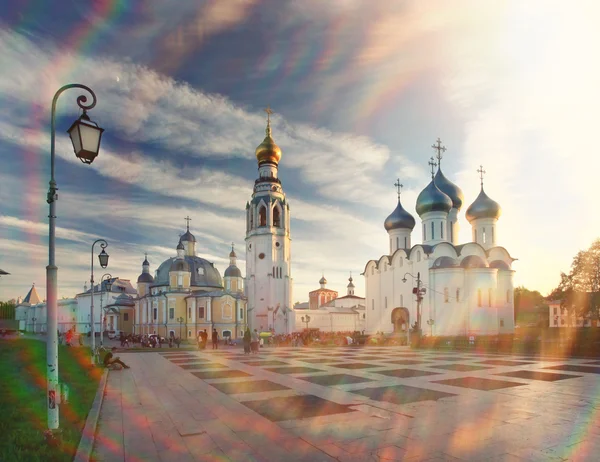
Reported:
(398, 187)
(481, 172)
(440, 149)
(269, 111)
(433, 165)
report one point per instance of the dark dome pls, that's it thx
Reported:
(323, 280)
(145, 277)
(145, 262)
(450, 189)
(180, 246)
(473, 261)
(500, 264)
(180, 265)
(188, 237)
(432, 199)
(483, 207)
(232, 254)
(203, 273)
(445, 262)
(233, 272)
(399, 219)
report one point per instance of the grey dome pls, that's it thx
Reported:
(399, 219)
(432, 199)
(500, 264)
(203, 273)
(233, 272)
(180, 265)
(323, 280)
(188, 237)
(145, 277)
(483, 207)
(450, 189)
(473, 261)
(445, 262)
(145, 262)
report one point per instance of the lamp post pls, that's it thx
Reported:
(180, 321)
(34, 320)
(103, 258)
(108, 284)
(85, 137)
(306, 319)
(430, 323)
(419, 292)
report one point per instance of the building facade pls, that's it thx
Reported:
(463, 289)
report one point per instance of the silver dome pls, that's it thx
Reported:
(432, 199)
(203, 273)
(188, 237)
(450, 189)
(399, 219)
(483, 207)
(445, 262)
(145, 277)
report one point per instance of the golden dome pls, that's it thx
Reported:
(268, 151)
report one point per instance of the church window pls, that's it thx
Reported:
(391, 248)
(432, 230)
(458, 295)
(180, 279)
(478, 297)
(406, 243)
(419, 255)
(262, 216)
(492, 231)
(555, 311)
(200, 271)
(483, 235)
(451, 232)
(125, 316)
(241, 313)
(397, 243)
(446, 295)
(227, 311)
(508, 296)
(189, 311)
(489, 297)
(442, 229)
(201, 312)
(276, 217)
(171, 313)
(424, 233)
(474, 235)
(385, 303)
(155, 314)
(251, 218)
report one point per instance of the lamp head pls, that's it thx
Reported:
(103, 257)
(403, 279)
(85, 136)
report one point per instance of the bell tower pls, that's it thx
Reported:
(268, 245)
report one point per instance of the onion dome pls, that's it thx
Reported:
(268, 151)
(189, 237)
(323, 280)
(350, 284)
(483, 207)
(432, 199)
(450, 189)
(180, 245)
(232, 254)
(145, 277)
(233, 272)
(399, 219)
(145, 262)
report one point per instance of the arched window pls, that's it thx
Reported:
(227, 311)
(458, 295)
(478, 297)
(262, 216)
(508, 296)
(385, 303)
(442, 229)
(492, 234)
(276, 217)
(483, 235)
(432, 231)
(424, 234)
(406, 243)
(397, 243)
(446, 295)
(419, 255)
(251, 214)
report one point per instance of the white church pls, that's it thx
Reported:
(465, 289)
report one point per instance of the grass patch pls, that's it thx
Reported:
(23, 416)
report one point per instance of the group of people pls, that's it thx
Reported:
(203, 339)
(251, 341)
(67, 337)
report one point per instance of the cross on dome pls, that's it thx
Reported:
(440, 150)
(269, 111)
(188, 219)
(481, 172)
(433, 165)
(399, 186)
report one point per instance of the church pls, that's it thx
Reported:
(440, 286)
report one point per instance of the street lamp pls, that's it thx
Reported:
(108, 284)
(419, 292)
(306, 319)
(85, 137)
(103, 258)
(180, 321)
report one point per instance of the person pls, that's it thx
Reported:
(110, 359)
(204, 339)
(199, 340)
(69, 337)
(177, 341)
(215, 339)
(254, 342)
(247, 340)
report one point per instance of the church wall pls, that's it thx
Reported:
(436, 222)
(442, 250)
(505, 305)
(450, 315)
(484, 232)
(453, 226)
(483, 317)
(499, 253)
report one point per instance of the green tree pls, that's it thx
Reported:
(7, 310)
(530, 306)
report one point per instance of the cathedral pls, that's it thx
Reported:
(440, 286)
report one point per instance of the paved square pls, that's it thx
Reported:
(479, 383)
(465, 406)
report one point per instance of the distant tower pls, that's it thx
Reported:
(145, 279)
(433, 206)
(399, 225)
(233, 275)
(268, 245)
(350, 286)
(483, 215)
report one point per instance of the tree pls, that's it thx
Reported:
(530, 305)
(7, 310)
(579, 291)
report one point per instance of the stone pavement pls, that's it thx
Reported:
(348, 404)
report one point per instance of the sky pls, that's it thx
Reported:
(360, 90)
